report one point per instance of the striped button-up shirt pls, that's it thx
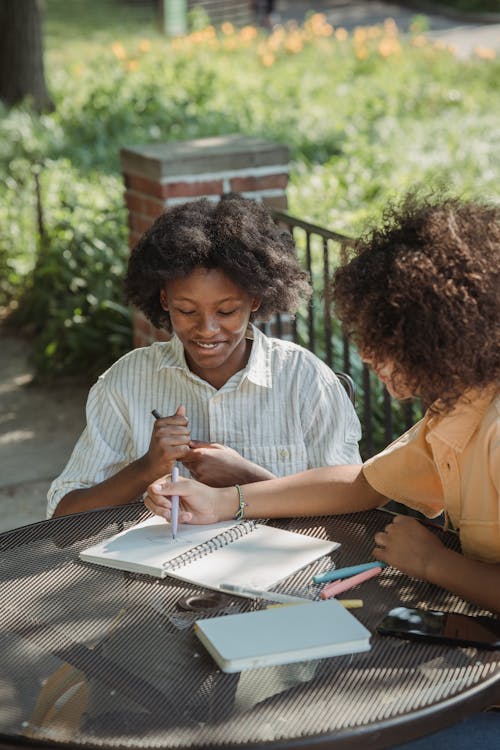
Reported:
(286, 411)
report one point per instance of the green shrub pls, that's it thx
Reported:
(71, 301)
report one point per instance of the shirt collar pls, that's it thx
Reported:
(456, 428)
(172, 355)
(258, 369)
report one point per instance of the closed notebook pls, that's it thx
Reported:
(248, 554)
(281, 635)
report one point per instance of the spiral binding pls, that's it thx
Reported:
(221, 540)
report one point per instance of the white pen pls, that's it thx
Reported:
(260, 594)
(174, 518)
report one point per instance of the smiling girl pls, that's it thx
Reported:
(236, 405)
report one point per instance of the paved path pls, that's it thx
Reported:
(38, 428)
(39, 425)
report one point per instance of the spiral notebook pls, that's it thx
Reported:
(249, 554)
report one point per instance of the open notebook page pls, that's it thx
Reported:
(148, 546)
(258, 560)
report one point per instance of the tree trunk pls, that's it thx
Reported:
(21, 54)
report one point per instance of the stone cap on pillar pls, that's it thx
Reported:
(218, 154)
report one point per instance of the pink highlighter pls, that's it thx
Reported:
(338, 587)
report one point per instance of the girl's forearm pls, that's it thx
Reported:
(124, 487)
(316, 492)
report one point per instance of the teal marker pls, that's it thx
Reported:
(337, 574)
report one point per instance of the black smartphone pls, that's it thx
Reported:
(442, 627)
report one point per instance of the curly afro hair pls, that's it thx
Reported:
(423, 291)
(237, 235)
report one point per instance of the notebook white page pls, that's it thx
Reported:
(258, 560)
(149, 546)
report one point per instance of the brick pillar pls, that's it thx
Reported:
(163, 174)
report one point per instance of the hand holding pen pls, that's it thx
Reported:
(175, 476)
(169, 442)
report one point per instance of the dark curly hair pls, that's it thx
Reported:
(423, 291)
(237, 235)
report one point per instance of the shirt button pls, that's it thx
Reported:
(284, 453)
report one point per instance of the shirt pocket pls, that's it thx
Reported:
(481, 540)
(281, 459)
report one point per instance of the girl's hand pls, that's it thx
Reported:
(169, 442)
(220, 466)
(408, 546)
(197, 502)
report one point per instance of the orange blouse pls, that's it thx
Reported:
(450, 463)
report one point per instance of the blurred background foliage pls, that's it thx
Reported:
(366, 114)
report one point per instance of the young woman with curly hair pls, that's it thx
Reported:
(421, 297)
(236, 406)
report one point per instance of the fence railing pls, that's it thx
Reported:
(316, 328)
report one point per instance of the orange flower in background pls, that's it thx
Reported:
(373, 32)
(195, 37)
(419, 41)
(341, 34)
(294, 42)
(360, 35)
(133, 65)
(485, 53)
(227, 28)
(144, 45)
(318, 24)
(360, 39)
(268, 59)
(248, 33)
(277, 38)
(118, 50)
(389, 46)
(230, 44)
(326, 30)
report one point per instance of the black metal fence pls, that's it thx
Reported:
(238, 12)
(321, 250)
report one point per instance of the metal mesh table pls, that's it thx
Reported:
(96, 657)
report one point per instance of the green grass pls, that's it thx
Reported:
(67, 20)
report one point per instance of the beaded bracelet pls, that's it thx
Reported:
(240, 514)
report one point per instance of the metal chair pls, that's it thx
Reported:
(348, 384)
